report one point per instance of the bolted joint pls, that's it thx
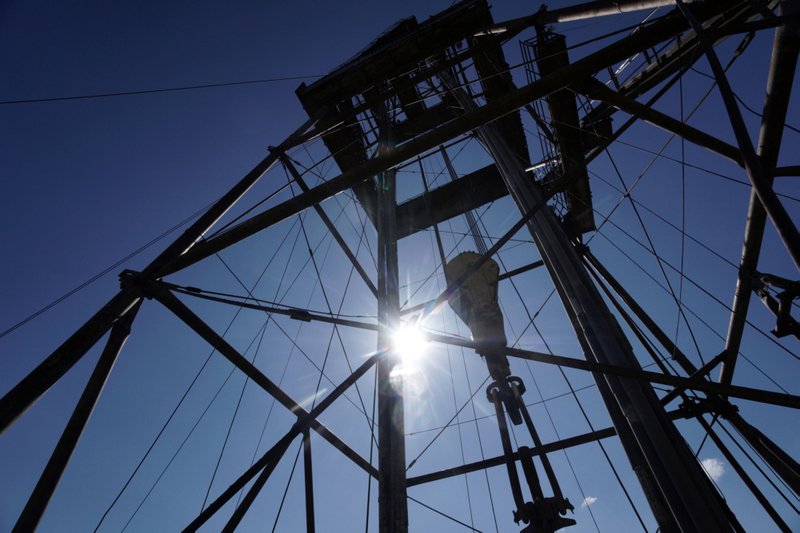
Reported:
(131, 279)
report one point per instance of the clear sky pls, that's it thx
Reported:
(88, 181)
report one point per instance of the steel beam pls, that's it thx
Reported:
(779, 88)
(229, 352)
(331, 228)
(637, 374)
(598, 91)
(600, 8)
(550, 447)
(785, 466)
(25, 393)
(48, 481)
(308, 475)
(450, 200)
(587, 66)
(746, 479)
(761, 180)
(392, 497)
(58, 363)
(671, 478)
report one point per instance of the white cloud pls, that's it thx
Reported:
(589, 500)
(714, 468)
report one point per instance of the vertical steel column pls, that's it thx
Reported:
(756, 173)
(782, 67)
(48, 481)
(308, 471)
(660, 457)
(392, 502)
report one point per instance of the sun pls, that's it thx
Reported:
(410, 344)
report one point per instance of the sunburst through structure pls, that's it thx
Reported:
(513, 270)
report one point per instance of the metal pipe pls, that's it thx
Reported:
(784, 465)
(600, 8)
(744, 476)
(779, 88)
(654, 446)
(48, 481)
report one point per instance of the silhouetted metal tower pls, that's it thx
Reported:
(414, 90)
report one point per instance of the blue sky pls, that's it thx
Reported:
(88, 181)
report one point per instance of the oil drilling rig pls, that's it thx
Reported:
(420, 90)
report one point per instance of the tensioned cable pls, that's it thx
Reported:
(741, 101)
(652, 248)
(209, 405)
(760, 470)
(212, 401)
(446, 426)
(769, 466)
(183, 443)
(248, 211)
(362, 235)
(104, 271)
(667, 222)
(472, 404)
(572, 391)
(437, 511)
(172, 414)
(460, 433)
(247, 380)
(703, 169)
(553, 424)
(492, 415)
(335, 329)
(371, 450)
(286, 364)
(477, 429)
(435, 240)
(705, 291)
(288, 484)
(233, 419)
(322, 370)
(705, 438)
(154, 91)
(700, 319)
(683, 223)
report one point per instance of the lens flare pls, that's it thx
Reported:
(410, 344)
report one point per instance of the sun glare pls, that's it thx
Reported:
(409, 343)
